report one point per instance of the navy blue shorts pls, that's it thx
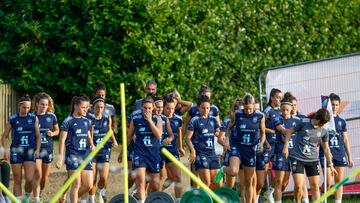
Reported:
(336, 162)
(207, 162)
(175, 154)
(73, 161)
(103, 156)
(264, 158)
(280, 163)
(246, 154)
(46, 155)
(130, 155)
(150, 162)
(19, 155)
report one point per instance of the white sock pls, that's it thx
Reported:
(141, 201)
(92, 198)
(41, 193)
(338, 201)
(257, 198)
(305, 200)
(103, 192)
(36, 199)
(83, 201)
(178, 200)
(8, 200)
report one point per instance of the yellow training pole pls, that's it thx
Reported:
(336, 186)
(191, 175)
(124, 142)
(8, 193)
(81, 167)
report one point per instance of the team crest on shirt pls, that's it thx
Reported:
(85, 124)
(29, 121)
(306, 138)
(205, 131)
(293, 124)
(176, 123)
(107, 111)
(339, 123)
(254, 120)
(212, 124)
(48, 119)
(318, 134)
(105, 123)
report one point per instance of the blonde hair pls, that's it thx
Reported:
(40, 96)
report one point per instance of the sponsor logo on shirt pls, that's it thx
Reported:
(29, 121)
(142, 130)
(78, 131)
(242, 126)
(48, 119)
(205, 131)
(19, 129)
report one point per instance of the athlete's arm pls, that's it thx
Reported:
(185, 105)
(114, 125)
(38, 137)
(170, 133)
(55, 132)
(130, 132)
(180, 142)
(221, 139)
(113, 139)
(156, 129)
(192, 157)
(91, 140)
(287, 135)
(262, 134)
(186, 123)
(347, 149)
(62, 138)
(328, 155)
(5, 138)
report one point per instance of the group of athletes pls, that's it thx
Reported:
(248, 144)
(32, 149)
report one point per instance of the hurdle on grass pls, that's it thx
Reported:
(124, 142)
(337, 185)
(8, 193)
(168, 155)
(81, 167)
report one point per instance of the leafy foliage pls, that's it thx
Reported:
(63, 47)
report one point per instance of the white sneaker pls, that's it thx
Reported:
(269, 195)
(100, 199)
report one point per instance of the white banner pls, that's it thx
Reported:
(308, 81)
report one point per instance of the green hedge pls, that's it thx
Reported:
(63, 47)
